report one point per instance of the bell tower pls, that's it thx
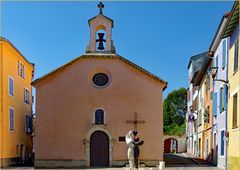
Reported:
(100, 33)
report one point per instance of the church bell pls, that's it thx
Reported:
(100, 46)
(100, 40)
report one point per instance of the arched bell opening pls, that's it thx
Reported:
(100, 40)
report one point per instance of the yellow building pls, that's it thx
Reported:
(16, 74)
(232, 30)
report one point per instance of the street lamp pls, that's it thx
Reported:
(213, 71)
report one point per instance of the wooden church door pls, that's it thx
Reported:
(99, 149)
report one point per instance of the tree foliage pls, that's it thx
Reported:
(174, 110)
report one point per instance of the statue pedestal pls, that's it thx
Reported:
(162, 165)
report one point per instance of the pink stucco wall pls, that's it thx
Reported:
(66, 102)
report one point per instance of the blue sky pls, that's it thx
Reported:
(158, 36)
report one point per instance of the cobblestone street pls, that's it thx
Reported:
(180, 161)
(184, 161)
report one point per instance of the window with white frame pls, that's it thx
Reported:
(26, 96)
(10, 86)
(11, 119)
(21, 69)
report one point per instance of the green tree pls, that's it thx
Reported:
(174, 108)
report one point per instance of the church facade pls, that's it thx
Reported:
(85, 108)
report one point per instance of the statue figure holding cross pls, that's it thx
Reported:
(133, 143)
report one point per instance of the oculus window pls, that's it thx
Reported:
(100, 79)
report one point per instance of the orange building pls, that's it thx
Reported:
(207, 116)
(85, 108)
(16, 74)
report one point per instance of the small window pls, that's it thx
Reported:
(99, 117)
(28, 126)
(235, 111)
(26, 96)
(11, 119)
(10, 86)
(221, 97)
(235, 66)
(222, 142)
(21, 69)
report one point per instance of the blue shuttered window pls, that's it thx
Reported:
(225, 91)
(10, 86)
(11, 119)
(224, 54)
(214, 104)
(220, 98)
(222, 142)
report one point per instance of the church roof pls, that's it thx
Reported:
(98, 16)
(102, 56)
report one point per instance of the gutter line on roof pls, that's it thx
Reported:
(218, 36)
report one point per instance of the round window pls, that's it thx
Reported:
(100, 79)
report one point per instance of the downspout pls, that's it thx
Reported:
(197, 123)
(226, 112)
(1, 98)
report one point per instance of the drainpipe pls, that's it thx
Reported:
(197, 124)
(226, 111)
(213, 125)
(212, 128)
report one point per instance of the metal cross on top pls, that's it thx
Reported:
(100, 6)
(135, 121)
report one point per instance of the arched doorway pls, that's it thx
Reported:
(170, 145)
(99, 149)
